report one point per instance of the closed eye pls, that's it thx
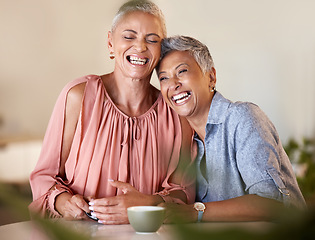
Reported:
(128, 38)
(151, 41)
(153, 38)
(182, 71)
(162, 78)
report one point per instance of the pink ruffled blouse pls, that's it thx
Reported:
(143, 151)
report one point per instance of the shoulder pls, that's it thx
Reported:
(248, 119)
(245, 110)
(238, 114)
(76, 89)
(81, 82)
(224, 110)
(245, 115)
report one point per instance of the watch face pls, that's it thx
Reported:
(199, 206)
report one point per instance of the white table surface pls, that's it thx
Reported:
(29, 230)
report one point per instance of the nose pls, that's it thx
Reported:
(140, 45)
(175, 83)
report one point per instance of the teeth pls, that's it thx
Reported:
(137, 61)
(179, 98)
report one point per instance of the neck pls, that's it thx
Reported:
(199, 121)
(199, 125)
(132, 96)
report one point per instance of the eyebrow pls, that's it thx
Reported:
(135, 32)
(153, 34)
(175, 68)
(181, 65)
(130, 30)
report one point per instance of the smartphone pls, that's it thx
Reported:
(90, 216)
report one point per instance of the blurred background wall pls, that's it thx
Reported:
(264, 52)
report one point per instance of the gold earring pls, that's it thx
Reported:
(111, 55)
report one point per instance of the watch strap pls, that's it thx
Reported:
(200, 214)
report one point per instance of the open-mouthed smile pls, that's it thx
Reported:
(137, 60)
(181, 97)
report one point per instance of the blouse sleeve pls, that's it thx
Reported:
(187, 173)
(44, 181)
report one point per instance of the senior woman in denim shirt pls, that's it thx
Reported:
(242, 168)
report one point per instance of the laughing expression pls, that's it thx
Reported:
(183, 84)
(136, 43)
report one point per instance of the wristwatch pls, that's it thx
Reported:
(200, 207)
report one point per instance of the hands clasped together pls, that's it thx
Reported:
(111, 210)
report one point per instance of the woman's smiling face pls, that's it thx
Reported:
(183, 84)
(136, 43)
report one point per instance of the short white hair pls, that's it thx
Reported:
(142, 6)
(198, 50)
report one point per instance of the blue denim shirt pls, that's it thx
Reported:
(242, 154)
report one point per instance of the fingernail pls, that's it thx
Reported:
(91, 208)
(93, 214)
(91, 203)
(110, 180)
(100, 221)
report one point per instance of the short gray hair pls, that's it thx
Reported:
(142, 6)
(198, 50)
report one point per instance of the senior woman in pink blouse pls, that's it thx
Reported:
(112, 142)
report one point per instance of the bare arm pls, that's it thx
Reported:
(73, 106)
(245, 208)
(67, 205)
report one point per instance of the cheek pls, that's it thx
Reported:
(163, 89)
(156, 52)
(121, 46)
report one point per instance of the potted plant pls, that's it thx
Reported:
(302, 157)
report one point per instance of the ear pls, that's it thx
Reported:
(213, 77)
(110, 41)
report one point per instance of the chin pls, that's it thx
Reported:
(181, 110)
(181, 113)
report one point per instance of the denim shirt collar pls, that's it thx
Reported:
(217, 112)
(218, 109)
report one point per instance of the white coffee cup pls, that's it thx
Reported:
(146, 219)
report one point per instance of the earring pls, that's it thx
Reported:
(213, 89)
(111, 55)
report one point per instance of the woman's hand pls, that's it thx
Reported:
(113, 210)
(72, 207)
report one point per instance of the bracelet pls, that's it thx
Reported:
(165, 195)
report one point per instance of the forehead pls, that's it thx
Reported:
(138, 20)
